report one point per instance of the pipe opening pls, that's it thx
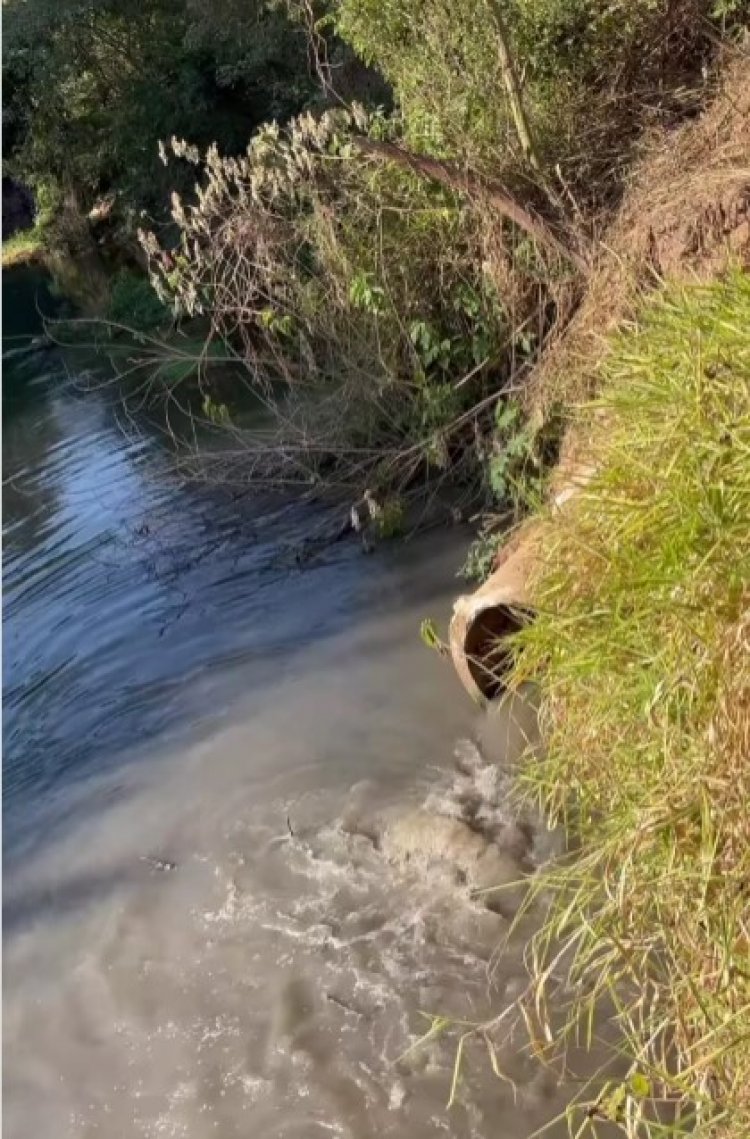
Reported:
(486, 649)
(483, 621)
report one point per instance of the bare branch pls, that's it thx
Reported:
(474, 185)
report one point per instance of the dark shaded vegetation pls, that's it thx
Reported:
(91, 87)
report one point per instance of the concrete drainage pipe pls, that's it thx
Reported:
(483, 620)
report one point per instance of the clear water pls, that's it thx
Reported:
(204, 750)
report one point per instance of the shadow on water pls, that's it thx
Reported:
(22, 909)
(28, 297)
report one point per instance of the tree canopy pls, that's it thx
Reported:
(91, 86)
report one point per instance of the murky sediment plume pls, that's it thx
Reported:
(255, 835)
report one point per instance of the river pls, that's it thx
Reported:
(204, 747)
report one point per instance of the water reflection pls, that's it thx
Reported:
(134, 605)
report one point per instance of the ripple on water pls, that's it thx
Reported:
(178, 692)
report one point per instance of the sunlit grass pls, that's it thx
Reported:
(23, 247)
(642, 651)
(29, 245)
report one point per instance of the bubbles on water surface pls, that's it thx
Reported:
(366, 936)
(277, 981)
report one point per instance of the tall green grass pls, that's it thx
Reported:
(642, 651)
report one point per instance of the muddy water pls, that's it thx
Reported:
(228, 904)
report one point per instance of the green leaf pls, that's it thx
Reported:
(640, 1085)
(431, 638)
(506, 416)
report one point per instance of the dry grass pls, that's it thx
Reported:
(684, 215)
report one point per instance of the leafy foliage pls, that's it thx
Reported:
(585, 67)
(134, 303)
(393, 307)
(480, 557)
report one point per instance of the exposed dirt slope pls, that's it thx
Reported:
(685, 214)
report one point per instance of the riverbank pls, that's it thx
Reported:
(398, 308)
(428, 314)
(641, 646)
(28, 224)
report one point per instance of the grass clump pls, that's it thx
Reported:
(642, 649)
(28, 245)
(22, 247)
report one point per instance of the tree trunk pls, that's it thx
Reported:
(513, 86)
(463, 182)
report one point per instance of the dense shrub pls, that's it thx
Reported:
(590, 70)
(134, 304)
(90, 88)
(401, 300)
(356, 283)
